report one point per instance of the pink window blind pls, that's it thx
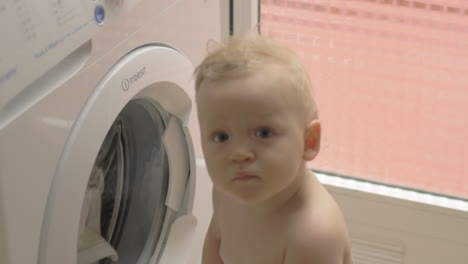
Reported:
(391, 81)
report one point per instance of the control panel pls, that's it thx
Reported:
(38, 35)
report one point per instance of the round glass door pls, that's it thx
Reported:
(124, 206)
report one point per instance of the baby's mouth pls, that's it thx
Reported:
(244, 176)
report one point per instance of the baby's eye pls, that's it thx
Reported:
(264, 133)
(220, 137)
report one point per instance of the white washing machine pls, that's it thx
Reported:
(97, 164)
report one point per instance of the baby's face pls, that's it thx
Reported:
(252, 133)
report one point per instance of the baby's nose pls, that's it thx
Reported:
(241, 155)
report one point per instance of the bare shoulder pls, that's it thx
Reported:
(320, 235)
(212, 243)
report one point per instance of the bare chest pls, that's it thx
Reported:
(244, 244)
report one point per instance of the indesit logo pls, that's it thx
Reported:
(128, 82)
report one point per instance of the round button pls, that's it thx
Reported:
(99, 14)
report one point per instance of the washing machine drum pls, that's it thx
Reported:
(124, 207)
(124, 187)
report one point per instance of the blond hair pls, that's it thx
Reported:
(244, 54)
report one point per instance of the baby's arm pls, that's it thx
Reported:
(211, 246)
(325, 243)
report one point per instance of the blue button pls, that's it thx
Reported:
(99, 14)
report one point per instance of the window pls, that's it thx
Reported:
(391, 81)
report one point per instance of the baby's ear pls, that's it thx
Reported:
(312, 140)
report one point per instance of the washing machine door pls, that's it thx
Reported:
(123, 190)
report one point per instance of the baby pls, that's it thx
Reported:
(259, 127)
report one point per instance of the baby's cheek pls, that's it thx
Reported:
(282, 160)
(213, 150)
(213, 157)
(274, 159)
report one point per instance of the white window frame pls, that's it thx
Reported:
(244, 16)
(387, 224)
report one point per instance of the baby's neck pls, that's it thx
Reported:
(287, 201)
